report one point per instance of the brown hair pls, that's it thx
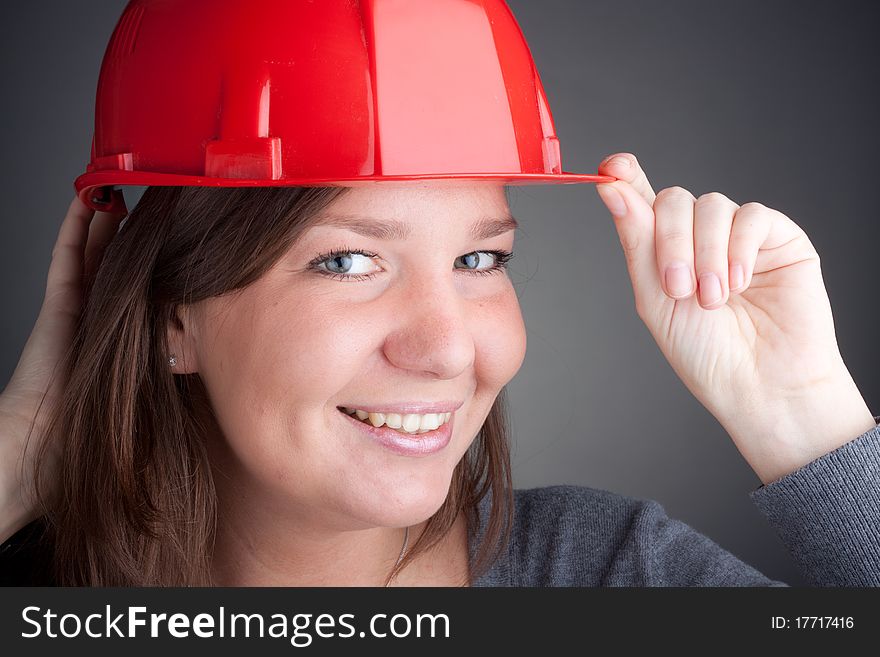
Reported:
(133, 501)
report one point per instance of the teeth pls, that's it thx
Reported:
(429, 422)
(411, 423)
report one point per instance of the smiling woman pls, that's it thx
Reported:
(271, 424)
(246, 421)
(420, 335)
(288, 366)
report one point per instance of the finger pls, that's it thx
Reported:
(625, 166)
(713, 218)
(674, 209)
(751, 226)
(104, 227)
(634, 220)
(64, 280)
(783, 233)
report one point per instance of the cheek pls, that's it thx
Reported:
(272, 360)
(500, 339)
(304, 353)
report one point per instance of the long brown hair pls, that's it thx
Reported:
(132, 502)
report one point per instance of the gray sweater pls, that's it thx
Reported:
(827, 513)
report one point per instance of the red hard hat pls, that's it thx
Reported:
(234, 93)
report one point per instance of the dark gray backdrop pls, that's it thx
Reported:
(766, 101)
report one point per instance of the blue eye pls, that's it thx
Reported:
(340, 262)
(330, 264)
(473, 258)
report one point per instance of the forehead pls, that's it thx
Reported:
(397, 212)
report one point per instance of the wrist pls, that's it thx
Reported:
(788, 433)
(14, 513)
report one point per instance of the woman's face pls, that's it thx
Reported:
(431, 324)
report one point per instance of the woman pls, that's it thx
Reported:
(284, 307)
(208, 420)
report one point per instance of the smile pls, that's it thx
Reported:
(411, 423)
(401, 442)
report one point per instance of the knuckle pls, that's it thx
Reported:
(806, 245)
(624, 155)
(753, 206)
(710, 250)
(675, 235)
(634, 161)
(630, 244)
(674, 193)
(714, 198)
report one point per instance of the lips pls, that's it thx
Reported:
(421, 444)
(407, 424)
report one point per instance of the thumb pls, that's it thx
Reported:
(634, 220)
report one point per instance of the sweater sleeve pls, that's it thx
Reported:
(827, 513)
(663, 551)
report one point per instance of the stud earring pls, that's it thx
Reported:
(172, 361)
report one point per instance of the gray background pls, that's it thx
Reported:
(766, 101)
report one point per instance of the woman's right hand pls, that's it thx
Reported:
(78, 250)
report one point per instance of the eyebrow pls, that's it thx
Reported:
(391, 229)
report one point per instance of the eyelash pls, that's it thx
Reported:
(501, 260)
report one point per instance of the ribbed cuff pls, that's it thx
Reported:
(827, 513)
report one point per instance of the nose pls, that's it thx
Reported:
(433, 329)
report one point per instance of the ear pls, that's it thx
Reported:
(180, 335)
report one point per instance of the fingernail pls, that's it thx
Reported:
(737, 276)
(612, 199)
(678, 280)
(710, 289)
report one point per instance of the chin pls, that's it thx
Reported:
(403, 506)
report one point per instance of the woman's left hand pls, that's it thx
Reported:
(757, 349)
